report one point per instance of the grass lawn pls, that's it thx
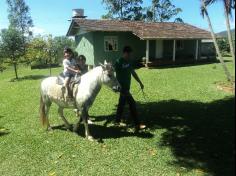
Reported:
(191, 128)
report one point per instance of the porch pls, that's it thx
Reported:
(174, 52)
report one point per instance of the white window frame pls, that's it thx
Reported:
(113, 41)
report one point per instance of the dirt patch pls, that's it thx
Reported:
(226, 87)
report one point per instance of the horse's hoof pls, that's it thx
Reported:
(90, 122)
(90, 138)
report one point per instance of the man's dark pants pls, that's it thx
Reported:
(126, 97)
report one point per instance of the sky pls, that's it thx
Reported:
(51, 16)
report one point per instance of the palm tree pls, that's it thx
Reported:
(229, 5)
(205, 14)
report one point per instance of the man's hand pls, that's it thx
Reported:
(137, 79)
(78, 72)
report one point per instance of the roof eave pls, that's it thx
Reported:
(68, 34)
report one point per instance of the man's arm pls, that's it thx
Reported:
(136, 77)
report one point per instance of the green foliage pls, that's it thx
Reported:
(123, 9)
(47, 50)
(223, 45)
(20, 19)
(12, 46)
(19, 16)
(36, 50)
(229, 4)
(162, 11)
(2, 67)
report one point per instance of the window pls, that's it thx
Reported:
(111, 43)
(180, 44)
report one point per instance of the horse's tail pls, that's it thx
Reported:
(42, 111)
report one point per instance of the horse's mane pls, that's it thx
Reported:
(90, 71)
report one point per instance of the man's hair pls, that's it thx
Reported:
(127, 49)
(82, 57)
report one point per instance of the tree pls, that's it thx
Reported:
(45, 51)
(20, 19)
(19, 16)
(223, 45)
(205, 14)
(229, 5)
(11, 46)
(123, 9)
(162, 11)
(35, 51)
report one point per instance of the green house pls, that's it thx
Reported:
(152, 43)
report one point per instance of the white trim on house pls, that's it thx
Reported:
(147, 51)
(111, 43)
(174, 50)
(197, 50)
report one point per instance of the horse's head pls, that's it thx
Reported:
(109, 78)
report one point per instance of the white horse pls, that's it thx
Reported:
(84, 93)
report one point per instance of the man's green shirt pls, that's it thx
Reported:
(123, 73)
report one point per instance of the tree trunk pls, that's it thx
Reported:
(121, 10)
(15, 69)
(227, 73)
(230, 39)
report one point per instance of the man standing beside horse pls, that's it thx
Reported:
(124, 70)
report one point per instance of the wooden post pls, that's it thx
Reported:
(174, 50)
(197, 50)
(147, 52)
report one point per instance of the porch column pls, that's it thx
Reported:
(174, 50)
(197, 50)
(147, 51)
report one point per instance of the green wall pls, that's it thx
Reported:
(92, 46)
(85, 46)
(124, 39)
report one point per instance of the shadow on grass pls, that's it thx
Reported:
(179, 65)
(29, 77)
(104, 132)
(200, 135)
(3, 131)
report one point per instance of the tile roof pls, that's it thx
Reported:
(143, 30)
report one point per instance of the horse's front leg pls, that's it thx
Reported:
(76, 125)
(61, 114)
(84, 117)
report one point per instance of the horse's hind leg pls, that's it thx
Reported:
(61, 114)
(47, 109)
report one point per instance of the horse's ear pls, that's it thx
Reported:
(102, 65)
(105, 62)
